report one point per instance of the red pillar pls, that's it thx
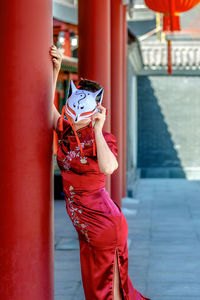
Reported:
(94, 46)
(117, 93)
(94, 49)
(124, 193)
(26, 214)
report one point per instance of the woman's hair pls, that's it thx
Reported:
(88, 85)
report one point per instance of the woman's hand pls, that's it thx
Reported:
(99, 118)
(56, 58)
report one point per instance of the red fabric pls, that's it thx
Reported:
(171, 22)
(101, 226)
(164, 6)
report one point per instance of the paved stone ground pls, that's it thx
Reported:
(164, 242)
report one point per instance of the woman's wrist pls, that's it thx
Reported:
(56, 72)
(98, 131)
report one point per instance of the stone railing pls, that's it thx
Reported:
(185, 56)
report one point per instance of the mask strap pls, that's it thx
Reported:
(93, 138)
(77, 138)
(60, 125)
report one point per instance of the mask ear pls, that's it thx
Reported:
(99, 95)
(72, 88)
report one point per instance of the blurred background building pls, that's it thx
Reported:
(166, 108)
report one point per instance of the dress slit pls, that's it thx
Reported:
(116, 261)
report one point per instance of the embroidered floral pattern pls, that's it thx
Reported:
(88, 143)
(68, 157)
(74, 153)
(67, 166)
(74, 214)
(84, 143)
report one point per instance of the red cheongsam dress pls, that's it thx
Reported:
(101, 226)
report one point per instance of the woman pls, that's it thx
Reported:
(86, 154)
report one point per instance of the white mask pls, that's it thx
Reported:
(82, 104)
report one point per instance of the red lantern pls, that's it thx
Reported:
(171, 20)
(171, 10)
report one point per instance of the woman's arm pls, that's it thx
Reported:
(106, 159)
(56, 113)
(55, 77)
(56, 59)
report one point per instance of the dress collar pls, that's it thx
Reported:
(85, 130)
(81, 130)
